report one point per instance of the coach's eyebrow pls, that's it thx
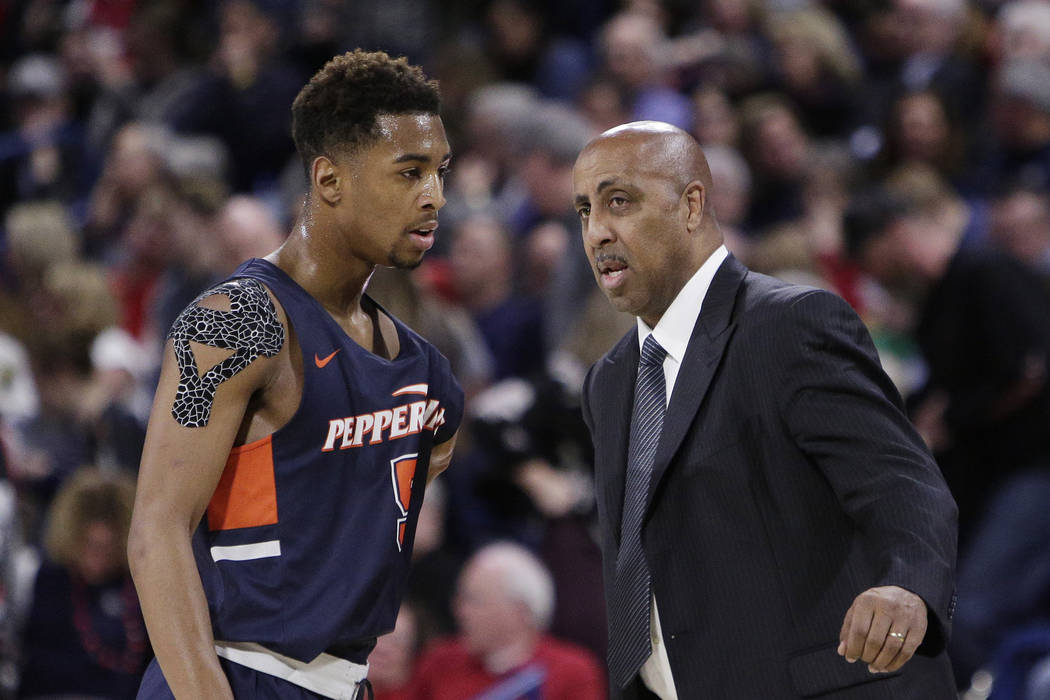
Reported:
(603, 185)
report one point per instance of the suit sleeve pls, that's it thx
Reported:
(846, 416)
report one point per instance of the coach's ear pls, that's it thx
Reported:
(324, 176)
(695, 197)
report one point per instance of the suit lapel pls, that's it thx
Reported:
(708, 341)
(615, 401)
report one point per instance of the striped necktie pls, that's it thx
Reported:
(629, 642)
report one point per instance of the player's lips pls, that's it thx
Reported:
(424, 235)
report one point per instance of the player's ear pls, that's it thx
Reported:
(326, 179)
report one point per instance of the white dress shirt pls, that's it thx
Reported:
(673, 331)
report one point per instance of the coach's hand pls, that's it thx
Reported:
(883, 627)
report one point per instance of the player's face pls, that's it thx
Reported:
(633, 221)
(395, 189)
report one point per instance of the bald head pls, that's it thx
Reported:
(641, 190)
(661, 148)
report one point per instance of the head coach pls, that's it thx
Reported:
(771, 524)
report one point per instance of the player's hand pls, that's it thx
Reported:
(883, 627)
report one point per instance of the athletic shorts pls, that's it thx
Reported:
(247, 684)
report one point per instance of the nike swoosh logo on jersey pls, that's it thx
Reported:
(322, 361)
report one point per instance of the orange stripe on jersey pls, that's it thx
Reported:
(246, 495)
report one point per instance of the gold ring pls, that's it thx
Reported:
(897, 635)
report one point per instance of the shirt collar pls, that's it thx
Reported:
(675, 327)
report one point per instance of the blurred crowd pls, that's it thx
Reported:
(896, 152)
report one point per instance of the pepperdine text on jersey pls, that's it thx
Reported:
(407, 419)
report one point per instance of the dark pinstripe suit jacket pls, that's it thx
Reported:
(786, 482)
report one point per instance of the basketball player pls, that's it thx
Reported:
(296, 422)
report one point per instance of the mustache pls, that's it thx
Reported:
(603, 258)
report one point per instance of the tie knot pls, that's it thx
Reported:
(652, 352)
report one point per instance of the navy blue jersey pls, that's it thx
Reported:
(307, 540)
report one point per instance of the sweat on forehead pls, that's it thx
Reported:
(654, 146)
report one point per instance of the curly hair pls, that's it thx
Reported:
(336, 111)
(88, 496)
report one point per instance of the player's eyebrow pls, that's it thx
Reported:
(420, 157)
(603, 185)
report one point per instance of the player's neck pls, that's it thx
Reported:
(336, 281)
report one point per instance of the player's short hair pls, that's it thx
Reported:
(336, 111)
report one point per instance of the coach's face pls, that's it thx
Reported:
(634, 223)
(393, 189)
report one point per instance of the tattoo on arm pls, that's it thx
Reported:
(250, 328)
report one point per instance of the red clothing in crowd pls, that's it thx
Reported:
(448, 671)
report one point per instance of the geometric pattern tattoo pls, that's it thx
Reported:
(250, 328)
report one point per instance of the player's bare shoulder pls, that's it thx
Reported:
(216, 338)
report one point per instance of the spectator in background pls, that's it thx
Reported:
(246, 228)
(933, 45)
(547, 148)
(715, 120)
(535, 485)
(481, 259)
(919, 130)
(731, 195)
(18, 565)
(41, 157)
(523, 49)
(503, 604)
(133, 165)
(1023, 30)
(486, 159)
(779, 151)
(18, 396)
(1020, 224)
(602, 104)
(148, 76)
(171, 249)
(816, 68)
(149, 282)
(922, 187)
(1003, 623)
(246, 101)
(724, 45)
(82, 419)
(633, 47)
(544, 225)
(39, 235)
(983, 330)
(1021, 123)
(85, 635)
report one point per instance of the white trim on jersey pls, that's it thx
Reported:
(244, 552)
(327, 675)
(412, 389)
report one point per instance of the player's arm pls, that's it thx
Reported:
(198, 409)
(440, 457)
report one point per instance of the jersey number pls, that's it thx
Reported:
(402, 473)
